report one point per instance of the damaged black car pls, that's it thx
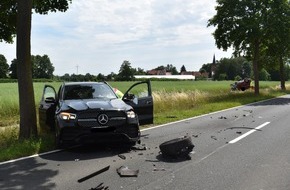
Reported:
(91, 112)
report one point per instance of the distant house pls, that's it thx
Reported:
(157, 72)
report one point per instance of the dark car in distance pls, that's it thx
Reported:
(91, 112)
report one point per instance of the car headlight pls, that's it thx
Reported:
(67, 116)
(131, 114)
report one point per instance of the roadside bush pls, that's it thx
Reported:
(238, 78)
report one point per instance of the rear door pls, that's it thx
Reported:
(47, 107)
(139, 96)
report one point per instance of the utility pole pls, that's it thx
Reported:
(77, 69)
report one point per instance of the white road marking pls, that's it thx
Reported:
(248, 133)
(32, 156)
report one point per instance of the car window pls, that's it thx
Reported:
(49, 93)
(88, 91)
(140, 90)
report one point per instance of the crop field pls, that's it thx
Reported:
(168, 96)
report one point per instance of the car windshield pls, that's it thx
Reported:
(88, 91)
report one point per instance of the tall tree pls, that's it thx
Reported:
(42, 67)
(241, 25)
(28, 124)
(13, 69)
(172, 69)
(182, 69)
(278, 33)
(126, 72)
(15, 16)
(3, 66)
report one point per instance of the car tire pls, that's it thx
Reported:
(177, 147)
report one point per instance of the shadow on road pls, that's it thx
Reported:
(87, 152)
(26, 174)
(273, 102)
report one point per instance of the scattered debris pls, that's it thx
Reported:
(100, 187)
(222, 117)
(124, 171)
(93, 174)
(239, 132)
(180, 147)
(122, 156)
(213, 137)
(139, 147)
(159, 169)
(195, 136)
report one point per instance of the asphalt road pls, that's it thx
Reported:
(247, 147)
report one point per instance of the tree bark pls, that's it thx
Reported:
(28, 125)
(282, 73)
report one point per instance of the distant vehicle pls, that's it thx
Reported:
(91, 112)
(241, 85)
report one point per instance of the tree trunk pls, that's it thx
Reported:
(28, 124)
(282, 73)
(255, 65)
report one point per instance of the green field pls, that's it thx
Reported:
(173, 100)
(167, 95)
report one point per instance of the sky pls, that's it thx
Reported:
(97, 36)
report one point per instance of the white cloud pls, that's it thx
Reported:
(99, 35)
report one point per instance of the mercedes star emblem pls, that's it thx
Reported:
(103, 119)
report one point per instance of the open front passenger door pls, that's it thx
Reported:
(139, 96)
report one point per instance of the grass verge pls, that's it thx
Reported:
(12, 147)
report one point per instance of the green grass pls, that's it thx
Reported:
(173, 100)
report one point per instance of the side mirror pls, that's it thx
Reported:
(129, 97)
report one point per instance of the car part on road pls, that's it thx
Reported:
(179, 147)
(124, 171)
(122, 156)
(93, 174)
(100, 187)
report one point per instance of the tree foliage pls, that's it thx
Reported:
(15, 16)
(13, 69)
(206, 67)
(172, 69)
(278, 33)
(126, 72)
(230, 68)
(3, 67)
(42, 67)
(182, 69)
(244, 25)
(8, 14)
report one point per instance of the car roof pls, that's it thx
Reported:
(82, 83)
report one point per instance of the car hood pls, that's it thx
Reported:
(80, 105)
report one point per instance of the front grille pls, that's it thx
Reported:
(90, 118)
